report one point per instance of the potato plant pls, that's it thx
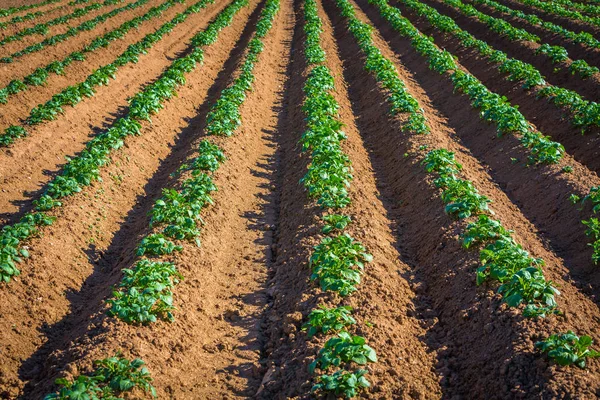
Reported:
(111, 377)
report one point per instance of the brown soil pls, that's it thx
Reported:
(246, 292)
(523, 50)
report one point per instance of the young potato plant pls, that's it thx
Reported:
(337, 262)
(335, 222)
(493, 107)
(145, 294)
(342, 383)
(73, 31)
(581, 113)
(40, 75)
(502, 259)
(85, 168)
(341, 350)
(568, 348)
(112, 377)
(74, 94)
(327, 320)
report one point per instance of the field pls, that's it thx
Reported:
(383, 199)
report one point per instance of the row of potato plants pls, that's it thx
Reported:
(71, 32)
(32, 15)
(145, 291)
(5, 12)
(553, 7)
(582, 113)
(338, 261)
(41, 74)
(556, 54)
(43, 28)
(591, 9)
(582, 37)
(74, 94)
(82, 170)
(502, 259)
(493, 107)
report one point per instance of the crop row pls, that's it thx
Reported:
(74, 94)
(71, 32)
(43, 28)
(582, 113)
(145, 291)
(502, 259)
(493, 107)
(556, 54)
(31, 16)
(591, 9)
(554, 7)
(581, 37)
(40, 75)
(4, 12)
(338, 261)
(85, 168)
(144, 294)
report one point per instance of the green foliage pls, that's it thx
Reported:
(157, 244)
(85, 168)
(337, 262)
(502, 259)
(494, 108)
(111, 377)
(335, 222)
(72, 31)
(568, 348)
(343, 349)
(325, 320)
(342, 383)
(144, 293)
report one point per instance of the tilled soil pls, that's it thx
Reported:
(246, 290)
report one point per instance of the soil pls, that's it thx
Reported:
(246, 290)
